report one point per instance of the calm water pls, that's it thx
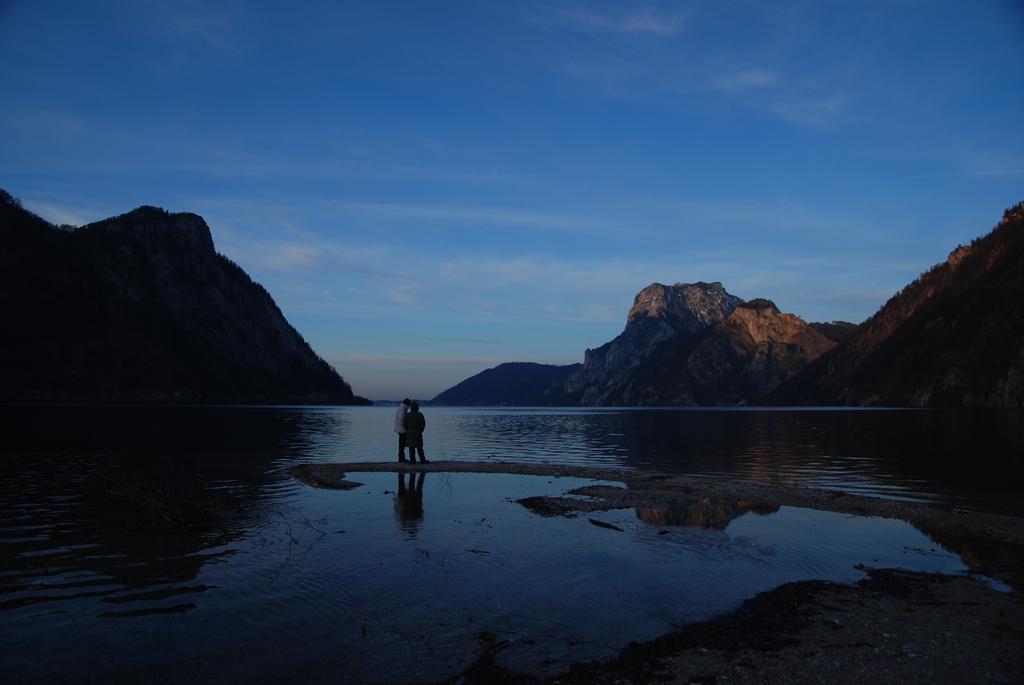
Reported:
(973, 459)
(117, 562)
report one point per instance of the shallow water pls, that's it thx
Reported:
(117, 562)
(389, 585)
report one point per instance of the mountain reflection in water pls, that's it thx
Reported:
(706, 512)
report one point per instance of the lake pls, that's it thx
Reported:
(118, 562)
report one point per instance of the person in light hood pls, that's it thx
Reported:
(400, 413)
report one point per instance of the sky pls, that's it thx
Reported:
(428, 189)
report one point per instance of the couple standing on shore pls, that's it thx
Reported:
(410, 424)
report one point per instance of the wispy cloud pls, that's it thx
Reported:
(310, 255)
(773, 217)
(283, 257)
(493, 175)
(1002, 172)
(393, 360)
(351, 273)
(649, 23)
(760, 75)
(61, 214)
(485, 215)
(810, 107)
(205, 24)
(616, 81)
(742, 80)
(635, 23)
(530, 289)
(800, 101)
(471, 341)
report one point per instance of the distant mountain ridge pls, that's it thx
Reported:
(511, 383)
(140, 307)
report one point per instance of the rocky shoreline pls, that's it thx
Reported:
(894, 626)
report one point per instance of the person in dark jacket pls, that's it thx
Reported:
(415, 424)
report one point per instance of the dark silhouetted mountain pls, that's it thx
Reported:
(736, 361)
(953, 337)
(141, 307)
(513, 383)
(660, 314)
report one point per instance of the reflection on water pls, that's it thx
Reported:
(707, 512)
(56, 520)
(409, 502)
(327, 587)
(170, 541)
(972, 459)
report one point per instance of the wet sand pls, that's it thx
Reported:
(894, 626)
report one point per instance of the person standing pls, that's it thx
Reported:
(400, 414)
(415, 424)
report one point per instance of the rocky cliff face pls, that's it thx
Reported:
(685, 344)
(769, 347)
(141, 307)
(953, 337)
(660, 315)
(737, 361)
(836, 331)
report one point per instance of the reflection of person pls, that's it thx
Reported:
(415, 424)
(400, 414)
(409, 501)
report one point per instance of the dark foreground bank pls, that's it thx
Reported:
(893, 627)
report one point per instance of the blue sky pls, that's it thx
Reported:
(429, 189)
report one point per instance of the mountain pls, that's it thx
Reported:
(660, 313)
(737, 361)
(140, 307)
(953, 337)
(683, 344)
(514, 383)
(836, 331)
